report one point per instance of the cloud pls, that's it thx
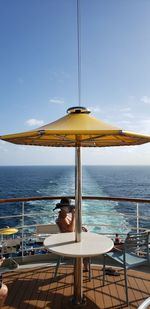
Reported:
(126, 112)
(131, 99)
(123, 122)
(95, 109)
(128, 115)
(145, 99)
(141, 126)
(22, 148)
(34, 122)
(56, 100)
(145, 125)
(60, 76)
(3, 148)
(125, 109)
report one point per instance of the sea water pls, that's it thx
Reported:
(114, 181)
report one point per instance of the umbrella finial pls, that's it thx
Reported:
(78, 110)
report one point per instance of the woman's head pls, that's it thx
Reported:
(65, 204)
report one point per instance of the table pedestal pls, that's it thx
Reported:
(91, 245)
(78, 279)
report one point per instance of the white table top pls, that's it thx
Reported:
(91, 244)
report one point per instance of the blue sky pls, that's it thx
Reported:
(38, 73)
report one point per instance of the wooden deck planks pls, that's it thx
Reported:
(36, 288)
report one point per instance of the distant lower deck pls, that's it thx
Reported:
(35, 288)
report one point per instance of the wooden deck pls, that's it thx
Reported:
(35, 288)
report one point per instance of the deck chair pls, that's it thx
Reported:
(43, 230)
(145, 304)
(135, 252)
(60, 259)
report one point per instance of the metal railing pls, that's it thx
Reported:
(23, 228)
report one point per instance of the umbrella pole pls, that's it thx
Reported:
(78, 194)
(78, 293)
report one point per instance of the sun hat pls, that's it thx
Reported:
(65, 201)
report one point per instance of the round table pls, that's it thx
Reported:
(91, 244)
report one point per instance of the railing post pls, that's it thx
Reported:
(22, 226)
(137, 218)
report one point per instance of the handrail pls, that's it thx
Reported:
(104, 213)
(120, 199)
(23, 200)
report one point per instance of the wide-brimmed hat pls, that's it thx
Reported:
(65, 201)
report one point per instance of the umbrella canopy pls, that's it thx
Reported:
(8, 231)
(77, 128)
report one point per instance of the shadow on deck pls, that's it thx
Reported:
(35, 288)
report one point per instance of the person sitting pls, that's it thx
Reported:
(66, 221)
(118, 243)
(117, 239)
(66, 216)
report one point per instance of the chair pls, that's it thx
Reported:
(135, 252)
(145, 304)
(44, 230)
(59, 260)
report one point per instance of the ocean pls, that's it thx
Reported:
(114, 181)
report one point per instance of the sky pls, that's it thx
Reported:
(39, 73)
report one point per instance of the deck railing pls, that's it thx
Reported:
(24, 228)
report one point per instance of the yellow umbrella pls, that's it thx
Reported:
(77, 129)
(8, 231)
